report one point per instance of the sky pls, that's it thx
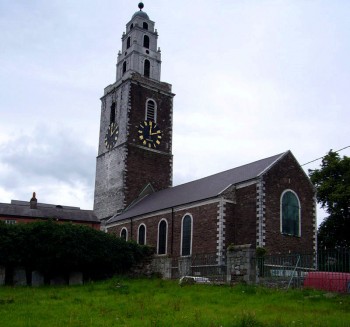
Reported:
(252, 78)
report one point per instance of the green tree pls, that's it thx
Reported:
(332, 182)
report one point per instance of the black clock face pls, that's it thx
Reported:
(111, 136)
(149, 134)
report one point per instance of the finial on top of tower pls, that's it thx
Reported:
(140, 13)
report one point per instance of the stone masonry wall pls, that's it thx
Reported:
(241, 264)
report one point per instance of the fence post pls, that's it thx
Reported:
(241, 265)
(184, 266)
(294, 270)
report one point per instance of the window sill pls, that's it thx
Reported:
(291, 235)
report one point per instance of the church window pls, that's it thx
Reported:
(290, 213)
(128, 42)
(112, 116)
(146, 41)
(141, 238)
(162, 236)
(131, 26)
(186, 235)
(145, 25)
(151, 110)
(124, 67)
(147, 68)
(124, 234)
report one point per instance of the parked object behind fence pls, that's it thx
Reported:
(328, 281)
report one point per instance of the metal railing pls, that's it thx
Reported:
(290, 270)
(280, 270)
(209, 265)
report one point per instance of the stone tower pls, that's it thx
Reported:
(135, 140)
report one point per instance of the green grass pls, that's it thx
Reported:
(141, 302)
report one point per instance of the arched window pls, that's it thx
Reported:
(186, 235)
(145, 26)
(146, 41)
(131, 26)
(128, 42)
(124, 233)
(151, 110)
(162, 236)
(124, 67)
(112, 116)
(141, 238)
(290, 213)
(147, 68)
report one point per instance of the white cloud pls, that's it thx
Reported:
(54, 162)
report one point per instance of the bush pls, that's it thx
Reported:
(58, 249)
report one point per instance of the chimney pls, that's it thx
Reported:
(33, 202)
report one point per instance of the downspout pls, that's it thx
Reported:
(172, 231)
(220, 229)
(260, 241)
(131, 234)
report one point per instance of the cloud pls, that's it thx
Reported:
(54, 162)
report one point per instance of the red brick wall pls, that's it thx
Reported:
(146, 167)
(245, 216)
(287, 174)
(139, 94)
(143, 165)
(230, 229)
(204, 229)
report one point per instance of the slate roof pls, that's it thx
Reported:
(46, 211)
(198, 190)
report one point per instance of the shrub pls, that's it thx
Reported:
(53, 248)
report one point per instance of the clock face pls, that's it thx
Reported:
(149, 134)
(111, 136)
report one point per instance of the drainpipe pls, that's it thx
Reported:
(131, 225)
(172, 231)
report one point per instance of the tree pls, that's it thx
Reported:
(332, 182)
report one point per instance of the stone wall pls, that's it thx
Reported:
(241, 264)
(162, 265)
(19, 278)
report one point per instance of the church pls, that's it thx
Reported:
(269, 203)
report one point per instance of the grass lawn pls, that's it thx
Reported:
(143, 302)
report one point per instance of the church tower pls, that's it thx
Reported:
(135, 140)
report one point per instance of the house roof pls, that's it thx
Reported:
(198, 190)
(46, 211)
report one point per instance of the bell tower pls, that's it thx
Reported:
(139, 48)
(135, 139)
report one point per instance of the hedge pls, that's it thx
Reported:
(59, 248)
